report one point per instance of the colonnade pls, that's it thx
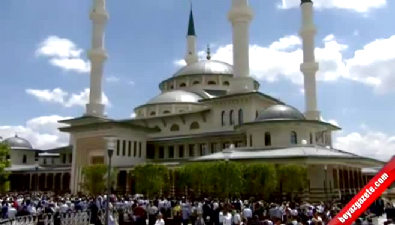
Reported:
(40, 181)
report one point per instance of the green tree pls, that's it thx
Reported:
(151, 179)
(292, 177)
(259, 179)
(4, 163)
(95, 178)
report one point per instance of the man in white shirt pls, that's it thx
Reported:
(236, 218)
(247, 213)
(227, 218)
(160, 221)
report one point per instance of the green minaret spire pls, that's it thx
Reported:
(191, 24)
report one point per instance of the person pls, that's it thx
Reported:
(199, 219)
(152, 211)
(159, 220)
(227, 218)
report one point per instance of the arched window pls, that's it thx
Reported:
(241, 117)
(171, 87)
(223, 119)
(194, 126)
(24, 159)
(158, 128)
(256, 114)
(175, 127)
(268, 139)
(231, 118)
(153, 113)
(211, 82)
(196, 82)
(311, 138)
(166, 112)
(226, 83)
(183, 85)
(294, 138)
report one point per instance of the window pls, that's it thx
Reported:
(191, 150)
(129, 148)
(139, 149)
(203, 149)
(123, 148)
(24, 159)
(45, 161)
(166, 112)
(150, 151)
(223, 121)
(161, 152)
(8, 157)
(158, 128)
(294, 138)
(183, 85)
(153, 113)
(268, 139)
(52, 161)
(134, 148)
(175, 127)
(311, 138)
(64, 158)
(214, 147)
(181, 151)
(171, 87)
(194, 126)
(256, 114)
(241, 119)
(70, 157)
(211, 82)
(231, 118)
(171, 152)
(118, 146)
(196, 82)
(225, 145)
(226, 83)
(250, 140)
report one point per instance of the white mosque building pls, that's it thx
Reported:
(203, 108)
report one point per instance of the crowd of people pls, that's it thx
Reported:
(183, 211)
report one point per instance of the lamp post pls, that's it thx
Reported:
(110, 151)
(227, 153)
(326, 181)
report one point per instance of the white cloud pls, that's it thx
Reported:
(63, 53)
(64, 98)
(369, 143)
(373, 65)
(361, 6)
(112, 79)
(41, 132)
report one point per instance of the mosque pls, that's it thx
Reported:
(206, 111)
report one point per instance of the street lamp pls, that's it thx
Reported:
(326, 181)
(227, 153)
(110, 150)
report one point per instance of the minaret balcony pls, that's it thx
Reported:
(97, 54)
(99, 15)
(241, 14)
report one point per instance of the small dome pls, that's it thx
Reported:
(280, 112)
(175, 96)
(18, 143)
(206, 67)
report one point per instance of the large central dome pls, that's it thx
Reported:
(206, 67)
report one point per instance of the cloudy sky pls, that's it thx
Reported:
(44, 68)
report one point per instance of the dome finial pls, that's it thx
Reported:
(208, 52)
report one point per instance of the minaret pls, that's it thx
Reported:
(240, 16)
(97, 56)
(191, 54)
(309, 67)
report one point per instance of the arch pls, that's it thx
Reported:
(158, 128)
(171, 86)
(66, 182)
(175, 127)
(223, 121)
(311, 138)
(294, 138)
(153, 113)
(225, 83)
(240, 116)
(166, 112)
(231, 118)
(183, 85)
(194, 126)
(211, 82)
(24, 159)
(196, 82)
(268, 139)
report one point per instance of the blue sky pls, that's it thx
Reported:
(145, 40)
